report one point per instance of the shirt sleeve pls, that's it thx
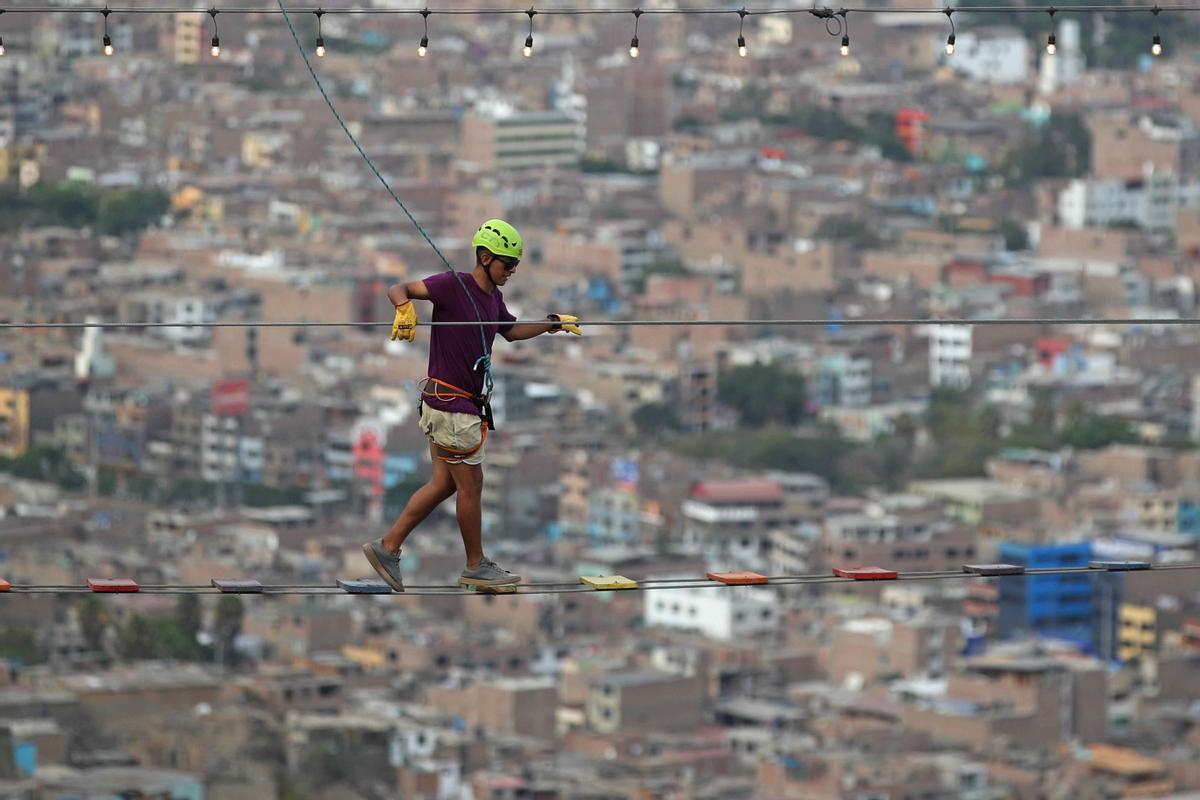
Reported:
(440, 285)
(503, 315)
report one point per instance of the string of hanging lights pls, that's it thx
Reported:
(836, 20)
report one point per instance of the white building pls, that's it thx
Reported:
(497, 136)
(186, 313)
(1088, 203)
(1196, 407)
(992, 55)
(1152, 203)
(722, 613)
(844, 380)
(218, 448)
(1067, 65)
(950, 356)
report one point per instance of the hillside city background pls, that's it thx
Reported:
(896, 182)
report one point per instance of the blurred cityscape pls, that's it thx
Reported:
(898, 182)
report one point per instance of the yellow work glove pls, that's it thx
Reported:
(567, 323)
(405, 325)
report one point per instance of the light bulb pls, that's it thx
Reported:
(633, 48)
(108, 48)
(423, 47)
(846, 45)
(742, 46)
(1156, 48)
(1051, 46)
(216, 47)
(950, 45)
(320, 47)
(1, 45)
(528, 46)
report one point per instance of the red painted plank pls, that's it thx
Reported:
(866, 573)
(737, 578)
(113, 585)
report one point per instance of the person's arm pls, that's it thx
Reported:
(404, 326)
(401, 293)
(527, 330)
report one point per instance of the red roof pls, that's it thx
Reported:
(738, 492)
(500, 782)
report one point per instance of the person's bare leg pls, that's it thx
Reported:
(421, 504)
(468, 481)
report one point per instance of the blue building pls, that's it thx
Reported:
(1189, 517)
(1063, 607)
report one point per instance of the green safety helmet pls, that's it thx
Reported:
(499, 237)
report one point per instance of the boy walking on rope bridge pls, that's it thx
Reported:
(455, 413)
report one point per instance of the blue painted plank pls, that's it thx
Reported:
(364, 586)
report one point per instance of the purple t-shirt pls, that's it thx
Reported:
(454, 349)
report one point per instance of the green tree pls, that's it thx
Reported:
(764, 394)
(850, 228)
(146, 637)
(230, 616)
(668, 266)
(136, 640)
(1015, 236)
(93, 621)
(119, 213)
(964, 437)
(773, 448)
(689, 122)
(48, 464)
(879, 129)
(189, 615)
(1040, 432)
(822, 123)
(881, 132)
(396, 497)
(656, 419)
(1059, 148)
(1087, 431)
(70, 204)
(20, 644)
(186, 489)
(259, 495)
(76, 205)
(599, 165)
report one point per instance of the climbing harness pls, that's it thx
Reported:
(447, 391)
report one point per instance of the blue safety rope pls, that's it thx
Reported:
(484, 362)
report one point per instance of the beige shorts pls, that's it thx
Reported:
(454, 434)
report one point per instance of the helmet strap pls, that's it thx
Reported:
(487, 270)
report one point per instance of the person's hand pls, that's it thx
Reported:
(566, 323)
(405, 325)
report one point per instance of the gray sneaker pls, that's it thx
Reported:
(385, 563)
(488, 573)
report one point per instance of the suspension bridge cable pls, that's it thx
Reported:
(818, 11)
(631, 323)
(653, 584)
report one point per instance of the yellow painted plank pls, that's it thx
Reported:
(607, 582)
